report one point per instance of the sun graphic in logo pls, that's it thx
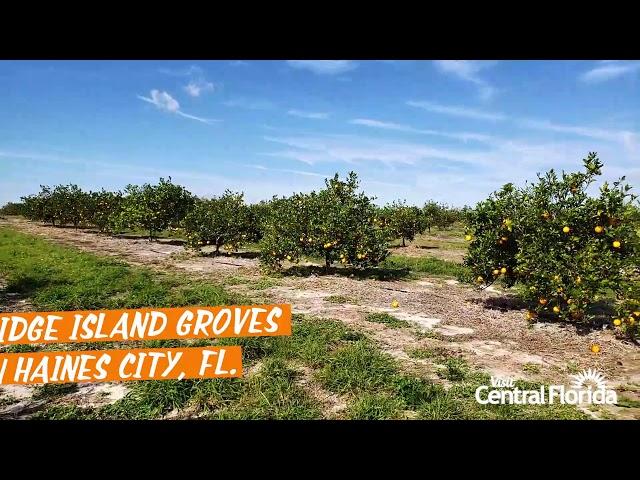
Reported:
(588, 379)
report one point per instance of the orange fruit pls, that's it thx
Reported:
(531, 315)
(617, 322)
(503, 270)
(595, 348)
(617, 244)
(556, 309)
(566, 229)
(599, 229)
(395, 303)
(543, 301)
(479, 280)
(467, 238)
(496, 272)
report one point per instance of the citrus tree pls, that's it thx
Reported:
(103, 207)
(430, 213)
(337, 224)
(567, 249)
(154, 208)
(220, 221)
(12, 208)
(258, 213)
(70, 204)
(446, 217)
(40, 206)
(403, 221)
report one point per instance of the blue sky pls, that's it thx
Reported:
(453, 131)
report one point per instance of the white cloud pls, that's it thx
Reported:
(239, 63)
(162, 100)
(622, 136)
(609, 70)
(324, 67)
(463, 136)
(165, 102)
(469, 70)
(199, 86)
(311, 115)
(457, 111)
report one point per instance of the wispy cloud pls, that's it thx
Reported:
(626, 137)
(249, 104)
(287, 170)
(469, 71)
(464, 136)
(197, 87)
(311, 115)
(457, 111)
(238, 63)
(165, 102)
(324, 67)
(609, 70)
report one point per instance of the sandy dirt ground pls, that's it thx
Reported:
(486, 327)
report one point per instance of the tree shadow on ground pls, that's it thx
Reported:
(248, 255)
(27, 285)
(598, 315)
(374, 273)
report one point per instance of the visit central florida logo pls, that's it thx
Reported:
(588, 387)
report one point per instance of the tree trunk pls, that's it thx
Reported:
(327, 263)
(403, 242)
(150, 235)
(217, 249)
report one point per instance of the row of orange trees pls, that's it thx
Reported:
(337, 223)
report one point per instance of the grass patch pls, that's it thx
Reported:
(627, 402)
(264, 283)
(429, 265)
(531, 368)
(54, 390)
(375, 406)
(419, 353)
(359, 366)
(7, 400)
(387, 319)
(338, 299)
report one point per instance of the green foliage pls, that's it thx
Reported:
(387, 319)
(336, 224)
(567, 249)
(104, 209)
(12, 208)
(154, 208)
(223, 220)
(403, 221)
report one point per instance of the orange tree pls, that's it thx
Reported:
(70, 204)
(567, 250)
(218, 221)
(104, 207)
(12, 208)
(154, 208)
(40, 206)
(430, 213)
(337, 224)
(403, 221)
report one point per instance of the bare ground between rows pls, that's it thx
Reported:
(457, 318)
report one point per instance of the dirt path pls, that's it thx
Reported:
(485, 327)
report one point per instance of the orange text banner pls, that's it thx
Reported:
(120, 365)
(145, 324)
